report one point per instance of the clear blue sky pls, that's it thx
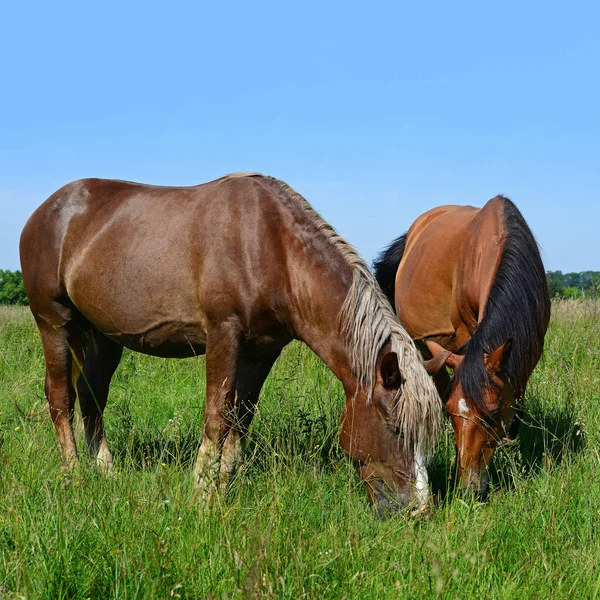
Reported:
(374, 111)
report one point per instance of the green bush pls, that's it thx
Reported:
(11, 288)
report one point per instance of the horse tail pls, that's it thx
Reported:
(386, 265)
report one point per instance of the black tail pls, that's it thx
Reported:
(386, 264)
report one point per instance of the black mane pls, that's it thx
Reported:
(518, 308)
(386, 265)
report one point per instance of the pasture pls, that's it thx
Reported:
(295, 522)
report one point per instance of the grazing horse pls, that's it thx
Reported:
(469, 286)
(235, 268)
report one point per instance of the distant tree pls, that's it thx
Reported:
(587, 279)
(11, 288)
(595, 285)
(556, 284)
(572, 280)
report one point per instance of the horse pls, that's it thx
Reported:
(234, 268)
(469, 286)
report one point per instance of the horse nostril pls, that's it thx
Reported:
(421, 511)
(388, 502)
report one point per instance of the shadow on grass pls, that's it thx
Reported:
(303, 437)
(546, 436)
(552, 436)
(143, 448)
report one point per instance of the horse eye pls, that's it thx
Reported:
(492, 414)
(394, 427)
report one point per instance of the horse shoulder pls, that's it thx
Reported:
(424, 281)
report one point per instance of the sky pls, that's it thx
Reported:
(374, 111)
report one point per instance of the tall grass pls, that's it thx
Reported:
(295, 522)
(14, 314)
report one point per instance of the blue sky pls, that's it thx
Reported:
(374, 111)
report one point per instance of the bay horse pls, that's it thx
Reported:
(469, 286)
(235, 268)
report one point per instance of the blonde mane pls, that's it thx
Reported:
(367, 323)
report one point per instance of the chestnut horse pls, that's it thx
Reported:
(235, 268)
(469, 286)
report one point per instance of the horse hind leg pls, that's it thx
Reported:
(101, 360)
(60, 392)
(250, 377)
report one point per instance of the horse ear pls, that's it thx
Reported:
(498, 358)
(434, 365)
(390, 371)
(441, 357)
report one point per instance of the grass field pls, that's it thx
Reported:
(296, 522)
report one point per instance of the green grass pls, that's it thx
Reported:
(296, 522)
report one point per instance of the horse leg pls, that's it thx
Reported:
(251, 375)
(101, 360)
(60, 392)
(513, 430)
(441, 380)
(222, 347)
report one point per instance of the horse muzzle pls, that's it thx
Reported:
(388, 502)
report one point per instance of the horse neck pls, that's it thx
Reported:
(320, 283)
(481, 259)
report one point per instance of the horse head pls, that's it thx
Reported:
(392, 470)
(478, 425)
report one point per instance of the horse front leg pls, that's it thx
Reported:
(251, 374)
(222, 347)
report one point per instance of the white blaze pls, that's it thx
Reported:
(463, 409)
(422, 484)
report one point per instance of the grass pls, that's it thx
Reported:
(296, 522)
(10, 315)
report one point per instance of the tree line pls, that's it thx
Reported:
(564, 285)
(574, 285)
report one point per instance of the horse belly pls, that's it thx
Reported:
(423, 305)
(151, 312)
(167, 340)
(423, 319)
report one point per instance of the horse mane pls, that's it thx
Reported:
(367, 324)
(518, 308)
(386, 265)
